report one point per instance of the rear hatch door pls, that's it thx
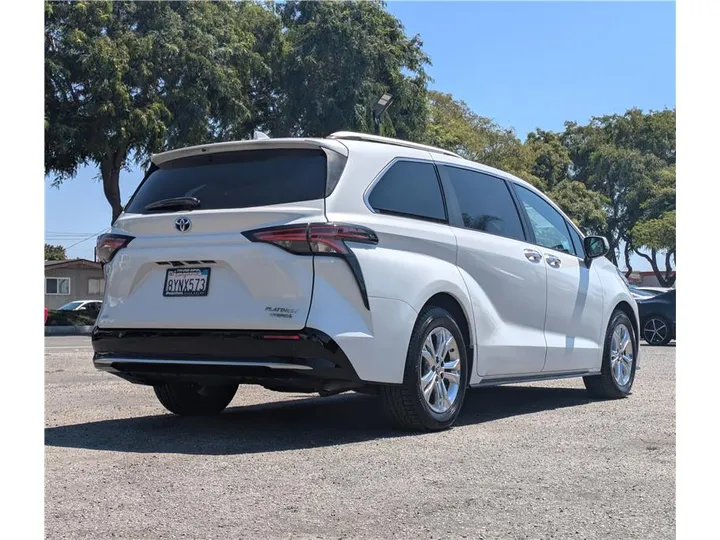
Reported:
(189, 265)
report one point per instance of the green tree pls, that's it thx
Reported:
(126, 79)
(452, 125)
(585, 207)
(624, 177)
(655, 230)
(337, 59)
(629, 160)
(551, 161)
(54, 253)
(657, 235)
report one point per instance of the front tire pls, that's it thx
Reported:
(619, 361)
(187, 399)
(435, 378)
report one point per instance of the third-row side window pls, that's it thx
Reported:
(485, 203)
(409, 188)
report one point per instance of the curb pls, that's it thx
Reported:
(68, 330)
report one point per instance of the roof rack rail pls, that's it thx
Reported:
(351, 135)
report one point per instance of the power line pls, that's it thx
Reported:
(88, 238)
(83, 235)
(62, 233)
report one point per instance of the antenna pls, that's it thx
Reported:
(258, 135)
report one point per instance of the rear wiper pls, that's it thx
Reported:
(184, 203)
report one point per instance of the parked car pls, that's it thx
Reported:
(655, 290)
(82, 305)
(354, 262)
(639, 293)
(657, 318)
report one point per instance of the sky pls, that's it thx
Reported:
(526, 65)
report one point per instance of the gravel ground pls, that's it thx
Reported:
(534, 461)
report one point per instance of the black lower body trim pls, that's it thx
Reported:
(306, 359)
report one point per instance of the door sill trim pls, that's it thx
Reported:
(496, 380)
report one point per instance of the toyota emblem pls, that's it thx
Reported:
(183, 224)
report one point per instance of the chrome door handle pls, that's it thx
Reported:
(553, 261)
(532, 255)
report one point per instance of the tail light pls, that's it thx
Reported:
(108, 245)
(322, 239)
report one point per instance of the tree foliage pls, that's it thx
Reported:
(126, 79)
(54, 253)
(338, 58)
(585, 207)
(454, 126)
(551, 161)
(656, 233)
(630, 160)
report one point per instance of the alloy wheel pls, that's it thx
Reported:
(622, 355)
(655, 331)
(440, 370)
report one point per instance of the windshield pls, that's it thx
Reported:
(72, 306)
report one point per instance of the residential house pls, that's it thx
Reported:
(72, 279)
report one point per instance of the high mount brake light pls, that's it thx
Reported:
(322, 239)
(109, 244)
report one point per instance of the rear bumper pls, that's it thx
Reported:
(308, 359)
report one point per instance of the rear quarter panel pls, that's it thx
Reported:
(413, 261)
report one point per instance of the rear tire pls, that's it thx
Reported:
(618, 365)
(443, 373)
(188, 399)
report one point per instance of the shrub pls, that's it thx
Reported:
(70, 318)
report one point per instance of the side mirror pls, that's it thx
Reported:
(595, 246)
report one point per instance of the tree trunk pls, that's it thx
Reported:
(669, 279)
(628, 252)
(612, 255)
(110, 171)
(664, 278)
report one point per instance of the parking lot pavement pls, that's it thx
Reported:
(532, 461)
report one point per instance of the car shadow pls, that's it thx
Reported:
(672, 344)
(293, 424)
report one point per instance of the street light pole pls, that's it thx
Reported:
(379, 109)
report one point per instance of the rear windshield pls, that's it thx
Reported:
(236, 180)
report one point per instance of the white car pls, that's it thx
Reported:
(82, 305)
(354, 262)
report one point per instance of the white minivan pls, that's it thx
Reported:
(354, 263)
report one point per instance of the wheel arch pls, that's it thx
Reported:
(626, 308)
(451, 304)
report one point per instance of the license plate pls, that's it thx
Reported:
(187, 282)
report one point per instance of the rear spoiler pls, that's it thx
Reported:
(257, 144)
